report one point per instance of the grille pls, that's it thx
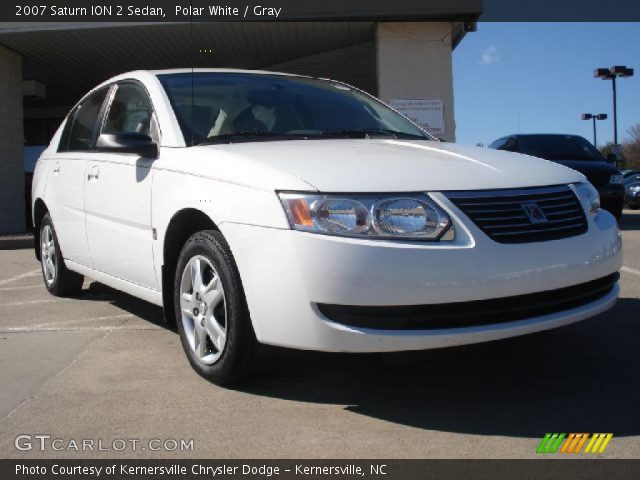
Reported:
(501, 213)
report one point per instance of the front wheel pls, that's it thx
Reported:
(211, 312)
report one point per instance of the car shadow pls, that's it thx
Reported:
(580, 378)
(630, 220)
(144, 310)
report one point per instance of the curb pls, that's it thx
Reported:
(16, 242)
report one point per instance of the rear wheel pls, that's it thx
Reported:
(58, 279)
(211, 312)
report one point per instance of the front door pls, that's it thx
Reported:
(118, 194)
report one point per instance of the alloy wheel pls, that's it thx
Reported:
(203, 309)
(48, 255)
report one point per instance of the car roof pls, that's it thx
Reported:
(219, 70)
(543, 135)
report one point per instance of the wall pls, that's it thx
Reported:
(355, 65)
(414, 61)
(11, 143)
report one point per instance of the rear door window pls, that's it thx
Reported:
(80, 131)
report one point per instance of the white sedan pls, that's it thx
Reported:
(258, 207)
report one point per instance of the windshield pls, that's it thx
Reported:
(216, 106)
(558, 147)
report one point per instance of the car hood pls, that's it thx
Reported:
(378, 165)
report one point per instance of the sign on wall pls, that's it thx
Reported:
(426, 112)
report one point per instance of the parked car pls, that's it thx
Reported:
(269, 208)
(632, 190)
(575, 152)
(627, 173)
(30, 157)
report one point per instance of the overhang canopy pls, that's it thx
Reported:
(70, 61)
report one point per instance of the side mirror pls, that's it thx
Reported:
(128, 142)
(612, 158)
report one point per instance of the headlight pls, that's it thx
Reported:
(367, 216)
(616, 178)
(589, 196)
(633, 189)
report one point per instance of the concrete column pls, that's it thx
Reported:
(12, 212)
(414, 62)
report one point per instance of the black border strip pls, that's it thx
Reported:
(339, 10)
(538, 469)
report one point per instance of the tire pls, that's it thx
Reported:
(211, 312)
(58, 279)
(618, 215)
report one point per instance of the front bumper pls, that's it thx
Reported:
(286, 274)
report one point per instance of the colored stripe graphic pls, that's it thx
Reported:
(550, 443)
(574, 443)
(598, 442)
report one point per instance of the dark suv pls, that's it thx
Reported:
(574, 152)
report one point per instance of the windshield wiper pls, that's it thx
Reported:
(250, 135)
(369, 132)
(255, 135)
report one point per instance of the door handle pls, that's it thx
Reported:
(93, 175)
(56, 169)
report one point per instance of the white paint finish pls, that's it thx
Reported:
(25, 287)
(118, 217)
(203, 190)
(630, 270)
(335, 270)
(371, 165)
(34, 302)
(406, 55)
(284, 272)
(148, 294)
(21, 276)
(65, 200)
(79, 324)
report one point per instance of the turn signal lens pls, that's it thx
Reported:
(300, 212)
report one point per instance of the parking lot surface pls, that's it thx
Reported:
(102, 366)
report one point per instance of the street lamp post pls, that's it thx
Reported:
(611, 74)
(594, 117)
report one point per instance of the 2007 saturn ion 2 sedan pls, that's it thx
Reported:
(268, 208)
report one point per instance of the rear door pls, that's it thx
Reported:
(118, 193)
(66, 183)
